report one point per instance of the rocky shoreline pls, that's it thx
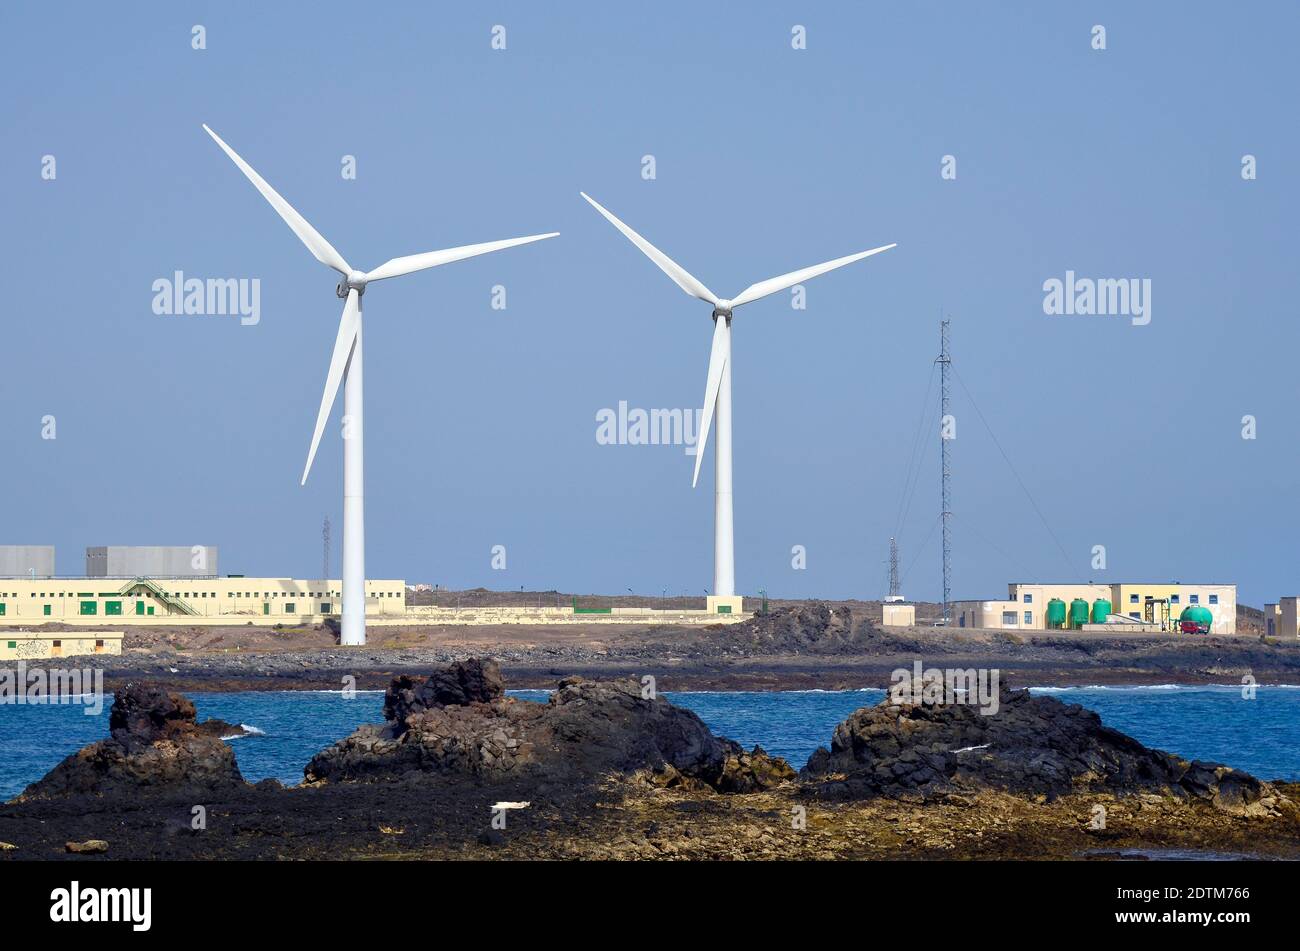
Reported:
(608, 769)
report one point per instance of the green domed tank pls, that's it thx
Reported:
(1101, 609)
(1056, 613)
(1078, 613)
(1198, 615)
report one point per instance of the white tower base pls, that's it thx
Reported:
(354, 510)
(724, 551)
(723, 605)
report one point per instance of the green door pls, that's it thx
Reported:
(266, 607)
(139, 607)
(112, 607)
(89, 607)
(46, 610)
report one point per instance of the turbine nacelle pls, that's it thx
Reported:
(355, 281)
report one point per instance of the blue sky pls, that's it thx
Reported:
(481, 423)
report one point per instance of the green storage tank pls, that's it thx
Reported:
(1197, 615)
(1056, 613)
(1078, 613)
(1100, 611)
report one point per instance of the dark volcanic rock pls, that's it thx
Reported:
(1031, 745)
(816, 628)
(155, 743)
(473, 681)
(585, 731)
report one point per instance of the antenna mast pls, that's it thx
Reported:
(894, 594)
(945, 437)
(325, 550)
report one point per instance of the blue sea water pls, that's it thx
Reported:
(1261, 736)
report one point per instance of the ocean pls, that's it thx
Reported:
(1261, 736)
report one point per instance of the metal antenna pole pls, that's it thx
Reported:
(325, 547)
(945, 424)
(893, 568)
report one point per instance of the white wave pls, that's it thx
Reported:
(248, 731)
(340, 691)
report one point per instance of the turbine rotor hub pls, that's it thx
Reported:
(723, 309)
(355, 281)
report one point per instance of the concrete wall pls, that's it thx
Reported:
(478, 616)
(26, 560)
(897, 614)
(29, 645)
(151, 561)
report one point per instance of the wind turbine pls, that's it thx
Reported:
(717, 390)
(345, 367)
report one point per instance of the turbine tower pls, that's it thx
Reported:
(345, 368)
(717, 392)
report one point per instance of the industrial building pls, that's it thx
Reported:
(1158, 605)
(233, 599)
(1283, 618)
(26, 561)
(151, 561)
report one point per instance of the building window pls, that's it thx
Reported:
(1173, 599)
(1136, 614)
(1132, 599)
(1009, 618)
(1029, 599)
(89, 607)
(13, 645)
(1214, 599)
(1195, 599)
(1029, 617)
(288, 607)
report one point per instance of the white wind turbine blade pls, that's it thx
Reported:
(348, 325)
(774, 284)
(322, 250)
(681, 277)
(717, 360)
(418, 262)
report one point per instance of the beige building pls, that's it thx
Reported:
(1155, 603)
(33, 645)
(1285, 621)
(898, 614)
(234, 599)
